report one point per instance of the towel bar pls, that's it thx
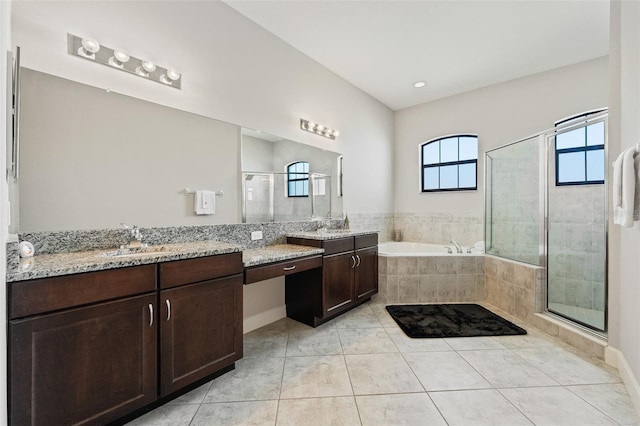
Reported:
(188, 191)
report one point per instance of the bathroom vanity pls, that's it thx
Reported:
(349, 276)
(90, 348)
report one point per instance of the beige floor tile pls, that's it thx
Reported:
(366, 341)
(315, 376)
(251, 413)
(195, 396)
(360, 317)
(253, 379)
(565, 367)
(168, 415)
(380, 374)
(407, 409)
(405, 343)
(529, 340)
(314, 342)
(334, 411)
(445, 371)
(473, 343)
(478, 408)
(611, 399)
(257, 346)
(505, 369)
(555, 406)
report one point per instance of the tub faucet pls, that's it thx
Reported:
(458, 248)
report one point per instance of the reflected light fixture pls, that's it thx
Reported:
(90, 48)
(318, 129)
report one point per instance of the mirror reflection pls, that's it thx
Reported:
(284, 180)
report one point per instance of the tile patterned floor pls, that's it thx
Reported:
(361, 369)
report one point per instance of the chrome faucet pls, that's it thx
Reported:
(458, 248)
(135, 237)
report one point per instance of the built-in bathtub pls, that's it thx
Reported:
(426, 273)
(410, 249)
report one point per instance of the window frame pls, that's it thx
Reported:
(568, 122)
(289, 179)
(423, 166)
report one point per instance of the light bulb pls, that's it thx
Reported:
(118, 59)
(319, 128)
(89, 48)
(336, 133)
(148, 66)
(170, 76)
(311, 125)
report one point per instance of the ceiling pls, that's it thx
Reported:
(384, 46)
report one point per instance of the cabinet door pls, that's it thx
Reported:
(337, 282)
(200, 330)
(366, 273)
(84, 366)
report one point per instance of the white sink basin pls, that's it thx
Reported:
(127, 252)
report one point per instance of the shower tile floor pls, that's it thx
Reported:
(360, 369)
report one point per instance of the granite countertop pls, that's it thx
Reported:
(329, 234)
(51, 265)
(277, 253)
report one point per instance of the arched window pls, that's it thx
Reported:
(298, 179)
(449, 163)
(580, 151)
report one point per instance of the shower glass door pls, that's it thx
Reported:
(576, 221)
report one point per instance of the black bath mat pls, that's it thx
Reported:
(451, 320)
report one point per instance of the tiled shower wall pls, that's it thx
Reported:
(439, 228)
(577, 246)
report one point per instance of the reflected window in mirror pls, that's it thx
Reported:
(298, 179)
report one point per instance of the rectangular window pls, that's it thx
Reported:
(580, 156)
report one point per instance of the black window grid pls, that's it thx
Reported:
(448, 163)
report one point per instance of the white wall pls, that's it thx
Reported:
(498, 114)
(233, 70)
(624, 132)
(5, 45)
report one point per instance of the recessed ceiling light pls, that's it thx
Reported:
(419, 84)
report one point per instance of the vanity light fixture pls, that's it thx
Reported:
(90, 48)
(318, 129)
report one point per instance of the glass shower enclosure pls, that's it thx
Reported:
(545, 204)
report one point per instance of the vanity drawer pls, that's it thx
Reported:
(188, 271)
(338, 246)
(260, 273)
(51, 294)
(364, 241)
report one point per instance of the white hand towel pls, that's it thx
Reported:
(636, 202)
(205, 202)
(625, 189)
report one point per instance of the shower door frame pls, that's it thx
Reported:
(547, 138)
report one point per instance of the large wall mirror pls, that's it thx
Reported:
(92, 159)
(284, 180)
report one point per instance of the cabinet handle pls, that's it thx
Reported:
(168, 309)
(150, 315)
(290, 268)
(354, 261)
(358, 256)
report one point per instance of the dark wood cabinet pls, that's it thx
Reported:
(200, 331)
(88, 365)
(349, 277)
(92, 348)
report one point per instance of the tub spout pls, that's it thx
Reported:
(458, 248)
